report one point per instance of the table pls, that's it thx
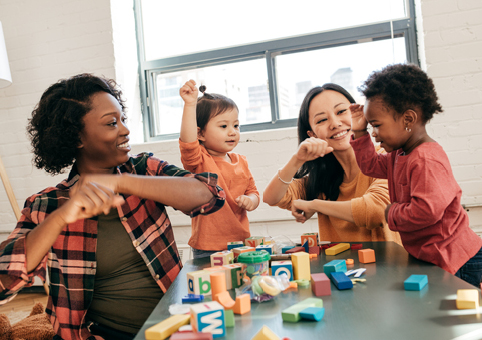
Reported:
(380, 308)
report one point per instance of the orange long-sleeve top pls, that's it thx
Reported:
(230, 223)
(369, 198)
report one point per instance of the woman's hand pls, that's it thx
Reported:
(88, 199)
(358, 121)
(312, 148)
(302, 210)
(189, 92)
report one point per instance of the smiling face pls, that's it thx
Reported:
(221, 134)
(105, 137)
(330, 119)
(388, 126)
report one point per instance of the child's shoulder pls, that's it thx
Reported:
(430, 151)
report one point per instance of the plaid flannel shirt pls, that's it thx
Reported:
(71, 259)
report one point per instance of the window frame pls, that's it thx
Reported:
(268, 50)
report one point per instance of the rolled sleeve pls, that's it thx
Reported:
(219, 196)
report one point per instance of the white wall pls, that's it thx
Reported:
(48, 40)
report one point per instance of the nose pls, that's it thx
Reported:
(374, 132)
(232, 131)
(124, 130)
(335, 122)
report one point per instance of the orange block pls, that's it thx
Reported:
(366, 255)
(349, 262)
(242, 305)
(218, 283)
(225, 300)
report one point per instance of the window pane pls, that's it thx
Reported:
(183, 27)
(244, 82)
(347, 66)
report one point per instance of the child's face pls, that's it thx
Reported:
(388, 127)
(330, 119)
(221, 134)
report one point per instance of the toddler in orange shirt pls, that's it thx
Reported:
(209, 132)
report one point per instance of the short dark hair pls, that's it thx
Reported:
(403, 87)
(57, 120)
(325, 174)
(210, 105)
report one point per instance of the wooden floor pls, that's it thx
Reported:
(21, 306)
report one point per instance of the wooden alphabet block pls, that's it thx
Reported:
(282, 267)
(240, 250)
(254, 241)
(301, 266)
(208, 317)
(198, 282)
(320, 284)
(366, 256)
(234, 274)
(236, 244)
(267, 247)
(221, 258)
(312, 239)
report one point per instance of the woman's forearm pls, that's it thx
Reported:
(279, 184)
(181, 193)
(338, 209)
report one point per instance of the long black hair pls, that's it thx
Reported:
(325, 174)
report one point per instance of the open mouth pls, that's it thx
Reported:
(340, 134)
(124, 145)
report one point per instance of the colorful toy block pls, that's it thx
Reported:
(340, 247)
(301, 266)
(312, 239)
(366, 255)
(242, 304)
(313, 313)
(254, 241)
(229, 318)
(225, 300)
(355, 246)
(285, 249)
(234, 274)
(415, 282)
(222, 269)
(221, 258)
(218, 283)
(292, 314)
(236, 244)
(198, 282)
(467, 299)
(314, 250)
(240, 250)
(265, 334)
(349, 262)
(306, 245)
(341, 281)
(167, 327)
(320, 284)
(192, 298)
(295, 250)
(328, 245)
(358, 272)
(266, 247)
(191, 336)
(208, 317)
(282, 267)
(334, 266)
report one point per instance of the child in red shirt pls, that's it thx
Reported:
(425, 209)
(209, 132)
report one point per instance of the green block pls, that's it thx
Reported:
(228, 318)
(292, 314)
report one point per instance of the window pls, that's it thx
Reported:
(265, 55)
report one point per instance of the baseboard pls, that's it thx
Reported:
(33, 290)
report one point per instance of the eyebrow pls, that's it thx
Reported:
(108, 114)
(323, 113)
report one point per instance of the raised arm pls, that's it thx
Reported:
(311, 148)
(189, 93)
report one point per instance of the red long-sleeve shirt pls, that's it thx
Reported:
(425, 197)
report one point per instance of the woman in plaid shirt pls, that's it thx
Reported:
(103, 233)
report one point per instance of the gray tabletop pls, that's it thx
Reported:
(380, 308)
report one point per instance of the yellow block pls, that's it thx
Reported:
(265, 334)
(165, 328)
(467, 299)
(301, 266)
(340, 247)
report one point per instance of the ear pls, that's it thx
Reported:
(410, 117)
(311, 134)
(200, 134)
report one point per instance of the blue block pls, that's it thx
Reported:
(334, 266)
(415, 282)
(341, 281)
(313, 313)
(192, 298)
(306, 246)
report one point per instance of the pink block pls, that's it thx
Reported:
(320, 284)
(191, 336)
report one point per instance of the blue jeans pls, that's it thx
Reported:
(471, 271)
(199, 254)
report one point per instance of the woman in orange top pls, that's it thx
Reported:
(209, 132)
(327, 179)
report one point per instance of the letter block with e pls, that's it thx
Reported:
(208, 317)
(198, 282)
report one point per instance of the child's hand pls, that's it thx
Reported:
(302, 210)
(312, 148)
(358, 121)
(189, 92)
(245, 202)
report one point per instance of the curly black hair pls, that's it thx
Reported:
(403, 87)
(57, 120)
(210, 105)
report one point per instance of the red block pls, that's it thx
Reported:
(320, 284)
(295, 250)
(314, 250)
(326, 246)
(356, 246)
(191, 336)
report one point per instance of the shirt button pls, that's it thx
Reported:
(123, 219)
(136, 244)
(157, 276)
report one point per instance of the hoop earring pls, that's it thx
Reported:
(407, 129)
